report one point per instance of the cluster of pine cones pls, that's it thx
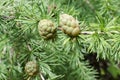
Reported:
(47, 30)
(69, 24)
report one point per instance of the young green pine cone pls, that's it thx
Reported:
(31, 68)
(46, 29)
(69, 25)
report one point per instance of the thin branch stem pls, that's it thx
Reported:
(89, 4)
(92, 32)
(41, 76)
(29, 78)
(29, 48)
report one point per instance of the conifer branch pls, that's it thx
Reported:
(7, 17)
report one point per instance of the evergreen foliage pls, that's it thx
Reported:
(61, 57)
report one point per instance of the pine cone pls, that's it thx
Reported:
(69, 24)
(31, 68)
(46, 29)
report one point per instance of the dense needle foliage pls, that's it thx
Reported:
(62, 57)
